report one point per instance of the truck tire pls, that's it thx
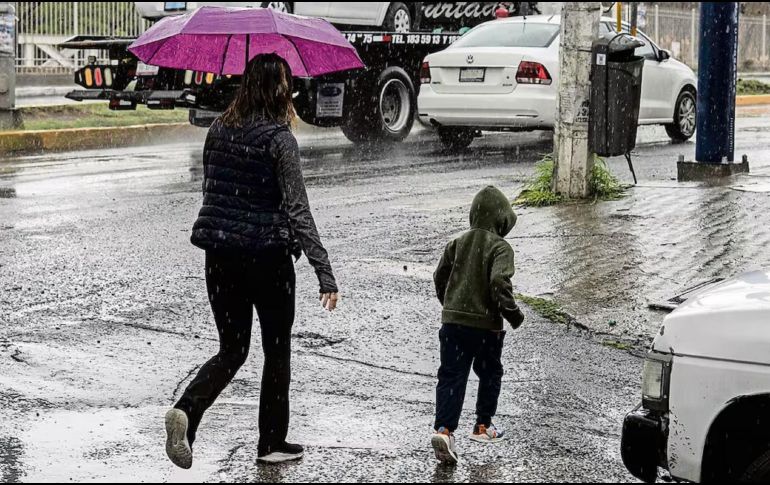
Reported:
(384, 112)
(399, 18)
(758, 471)
(357, 129)
(455, 139)
(683, 126)
(284, 7)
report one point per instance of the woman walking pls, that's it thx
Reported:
(255, 217)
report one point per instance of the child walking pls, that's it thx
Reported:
(473, 283)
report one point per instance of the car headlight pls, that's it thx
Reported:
(656, 379)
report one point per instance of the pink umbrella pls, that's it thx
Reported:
(219, 40)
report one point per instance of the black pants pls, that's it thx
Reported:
(236, 283)
(463, 348)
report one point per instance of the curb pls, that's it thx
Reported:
(71, 139)
(752, 99)
(42, 91)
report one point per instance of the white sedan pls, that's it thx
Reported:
(503, 76)
(392, 16)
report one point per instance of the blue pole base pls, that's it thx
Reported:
(707, 172)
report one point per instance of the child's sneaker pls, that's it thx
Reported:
(444, 446)
(484, 434)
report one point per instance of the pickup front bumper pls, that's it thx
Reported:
(643, 444)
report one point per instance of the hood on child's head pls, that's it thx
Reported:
(491, 210)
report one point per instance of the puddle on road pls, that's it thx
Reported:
(760, 187)
(7, 193)
(11, 450)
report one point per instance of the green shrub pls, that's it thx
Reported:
(750, 86)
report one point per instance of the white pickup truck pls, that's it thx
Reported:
(705, 412)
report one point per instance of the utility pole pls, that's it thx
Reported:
(573, 157)
(8, 114)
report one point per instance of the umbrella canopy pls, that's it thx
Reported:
(219, 40)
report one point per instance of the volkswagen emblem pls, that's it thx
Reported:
(469, 59)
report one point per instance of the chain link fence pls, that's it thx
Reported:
(678, 31)
(44, 25)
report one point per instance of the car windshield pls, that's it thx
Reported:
(509, 34)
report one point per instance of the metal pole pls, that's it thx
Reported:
(573, 157)
(75, 19)
(618, 17)
(8, 40)
(764, 37)
(692, 37)
(634, 17)
(717, 79)
(657, 25)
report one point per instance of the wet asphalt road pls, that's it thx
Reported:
(105, 318)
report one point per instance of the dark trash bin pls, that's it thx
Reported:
(616, 91)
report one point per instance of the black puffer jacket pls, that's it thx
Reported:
(255, 196)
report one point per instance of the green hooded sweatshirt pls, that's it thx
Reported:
(473, 278)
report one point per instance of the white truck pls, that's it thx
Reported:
(705, 412)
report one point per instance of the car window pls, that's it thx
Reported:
(509, 34)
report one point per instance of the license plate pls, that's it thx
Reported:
(174, 6)
(472, 75)
(143, 69)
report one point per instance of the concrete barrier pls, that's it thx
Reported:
(752, 99)
(37, 141)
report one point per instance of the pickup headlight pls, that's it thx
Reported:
(656, 379)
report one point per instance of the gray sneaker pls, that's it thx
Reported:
(444, 447)
(280, 454)
(177, 447)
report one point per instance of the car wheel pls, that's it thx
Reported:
(284, 7)
(456, 138)
(398, 18)
(758, 471)
(683, 127)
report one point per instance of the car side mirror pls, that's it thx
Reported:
(664, 55)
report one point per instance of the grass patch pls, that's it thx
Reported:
(95, 115)
(750, 87)
(538, 192)
(547, 309)
(613, 344)
(605, 185)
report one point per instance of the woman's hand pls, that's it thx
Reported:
(329, 301)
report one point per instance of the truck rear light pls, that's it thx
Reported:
(532, 73)
(88, 77)
(425, 73)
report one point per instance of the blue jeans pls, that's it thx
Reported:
(463, 348)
